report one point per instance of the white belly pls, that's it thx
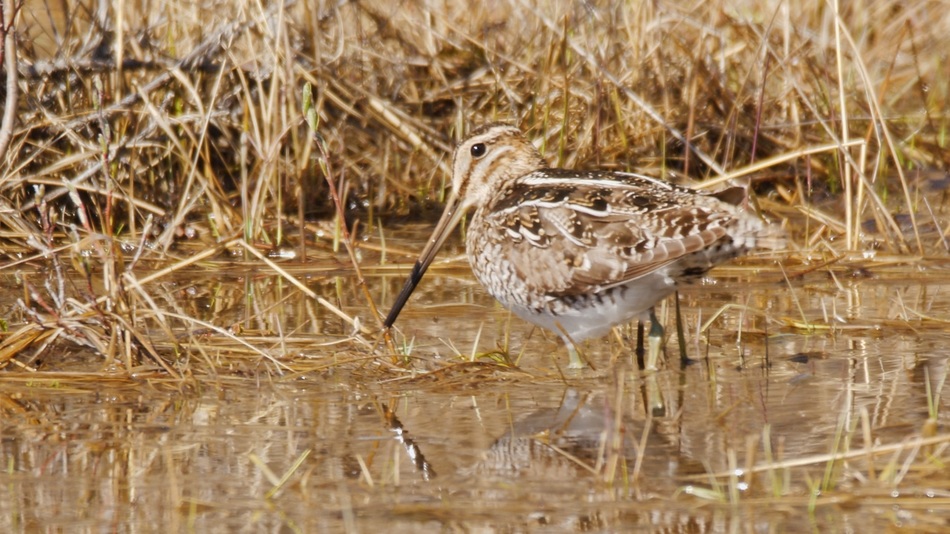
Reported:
(593, 315)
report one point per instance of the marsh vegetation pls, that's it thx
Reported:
(194, 277)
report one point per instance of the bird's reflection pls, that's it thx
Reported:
(580, 437)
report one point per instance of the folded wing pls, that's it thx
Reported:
(611, 228)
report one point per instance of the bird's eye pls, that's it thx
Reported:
(478, 150)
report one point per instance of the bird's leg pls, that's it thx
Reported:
(654, 342)
(575, 360)
(639, 350)
(680, 336)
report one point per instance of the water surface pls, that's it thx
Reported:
(458, 437)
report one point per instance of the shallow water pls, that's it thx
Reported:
(476, 445)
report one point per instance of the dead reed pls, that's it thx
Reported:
(145, 146)
(137, 132)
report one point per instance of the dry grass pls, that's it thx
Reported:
(139, 129)
(151, 143)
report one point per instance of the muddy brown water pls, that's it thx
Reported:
(477, 446)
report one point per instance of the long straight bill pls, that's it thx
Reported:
(450, 218)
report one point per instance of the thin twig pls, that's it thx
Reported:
(9, 58)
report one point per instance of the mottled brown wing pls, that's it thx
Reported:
(607, 228)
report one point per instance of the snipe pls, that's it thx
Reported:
(578, 252)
